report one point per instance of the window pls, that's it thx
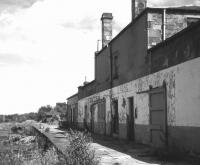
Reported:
(115, 65)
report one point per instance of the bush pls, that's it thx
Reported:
(16, 129)
(47, 129)
(11, 155)
(79, 152)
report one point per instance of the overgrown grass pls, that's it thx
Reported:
(79, 151)
(28, 155)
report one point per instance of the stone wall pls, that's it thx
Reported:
(176, 50)
(174, 23)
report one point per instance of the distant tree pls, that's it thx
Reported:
(1, 118)
(44, 112)
(11, 118)
(61, 109)
(31, 116)
(22, 118)
(19, 117)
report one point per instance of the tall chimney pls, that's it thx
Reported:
(137, 7)
(106, 28)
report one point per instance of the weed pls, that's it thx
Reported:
(79, 151)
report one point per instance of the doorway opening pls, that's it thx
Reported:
(131, 119)
(115, 117)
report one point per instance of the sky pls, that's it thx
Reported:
(47, 47)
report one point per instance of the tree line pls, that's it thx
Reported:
(44, 112)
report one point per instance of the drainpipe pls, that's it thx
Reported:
(164, 25)
(111, 65)
(111, 83)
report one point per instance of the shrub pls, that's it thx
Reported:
(79, 152)
(11, 155)
(47, 129)
(16, 129)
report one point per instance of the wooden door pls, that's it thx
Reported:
(158, 117)
(92, 110)
(102, 117)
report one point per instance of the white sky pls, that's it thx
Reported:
(47, 47)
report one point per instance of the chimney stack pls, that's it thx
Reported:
(137, 7)
(106, 28)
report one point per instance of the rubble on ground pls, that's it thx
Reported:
(27, 140)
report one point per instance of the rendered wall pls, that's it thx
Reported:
(87, 89)
(72, 109)
(89, 101)
(131, 49)
(102, 67)
(183, 102)
(72, 100)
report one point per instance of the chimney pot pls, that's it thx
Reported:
(106, 16)
(137, 7)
